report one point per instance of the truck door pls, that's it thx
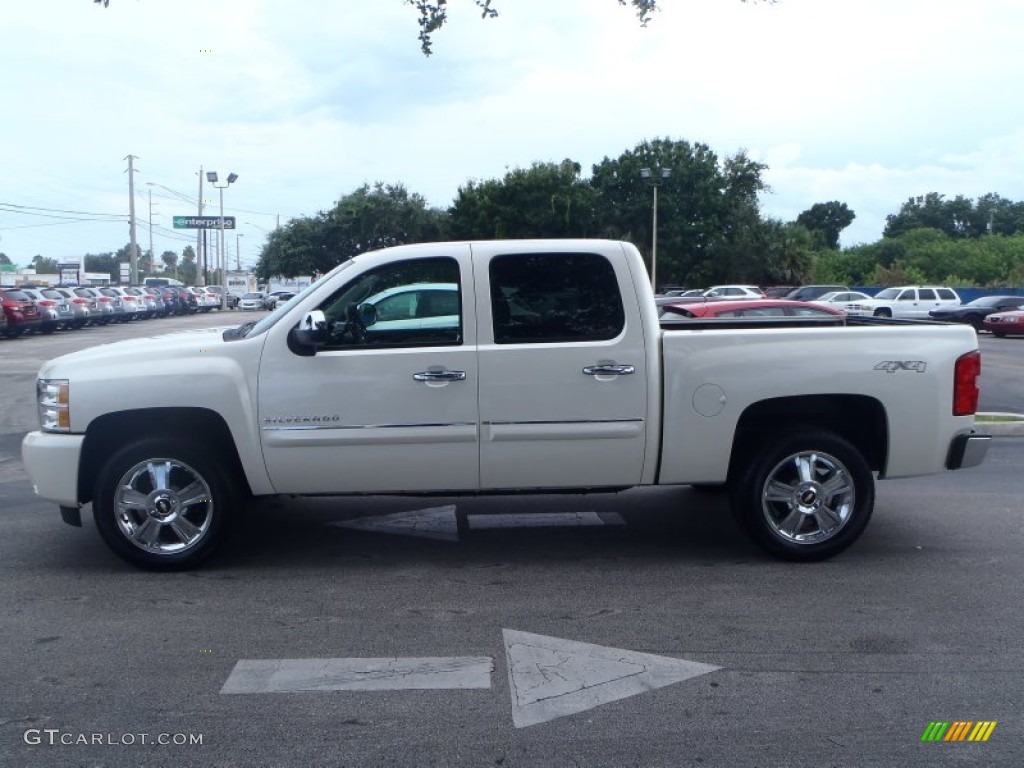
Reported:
(563, 377)
(390, 402)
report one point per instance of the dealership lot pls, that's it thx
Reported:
(403, 631)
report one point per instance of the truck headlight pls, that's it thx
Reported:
(53, 400)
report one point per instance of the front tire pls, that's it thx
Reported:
(164, 504)
(804, 496)
(883, 313)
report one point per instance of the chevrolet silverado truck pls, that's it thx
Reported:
(503, 366)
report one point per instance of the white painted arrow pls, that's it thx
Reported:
(548, 677)
(432, 523)
(551, 678)
(441, 523)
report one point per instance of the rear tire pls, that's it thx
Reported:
(165, 504)
(804, 495)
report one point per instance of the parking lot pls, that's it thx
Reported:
(459, 632)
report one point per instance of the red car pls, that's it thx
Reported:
(22, 312)
(1005, 323)
(751, 308)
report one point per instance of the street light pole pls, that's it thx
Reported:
(200, 239)
(655, 179)
(238, 251)
(211, 176)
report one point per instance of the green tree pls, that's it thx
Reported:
(103, 262)
(170, 260)
(44, 266)
(827, 220)
(433, 16)
(707, 210)
(545, 200)
(787, 252)
(187, 268)
(851, 266)
(367, 219)
(4, 259)
(960, 217)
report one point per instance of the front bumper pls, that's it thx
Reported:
(51, 460)
(967, 450)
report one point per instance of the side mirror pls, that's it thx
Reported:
(367, 314)
(312, 330)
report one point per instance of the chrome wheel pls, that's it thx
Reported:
(804, 494)
(808, 498)
(163, 506)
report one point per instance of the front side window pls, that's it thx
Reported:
(407, 303)
(550, 298)
(908, 295)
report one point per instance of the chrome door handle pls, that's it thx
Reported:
(606, 369)
(440, 376)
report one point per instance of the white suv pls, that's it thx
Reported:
(907, 302)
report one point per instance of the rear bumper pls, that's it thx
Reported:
(967, 450)
(51, 461)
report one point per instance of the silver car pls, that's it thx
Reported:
(80, 311)
(115, 297)
(145, 302)
(101, 308)
(54, 312)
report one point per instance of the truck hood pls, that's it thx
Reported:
(166, 348)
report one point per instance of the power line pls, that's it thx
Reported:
(28, 208)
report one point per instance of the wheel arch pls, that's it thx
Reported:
(858, 418)
(105, 435)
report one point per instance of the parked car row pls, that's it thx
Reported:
(1002, 315)
(43, 309)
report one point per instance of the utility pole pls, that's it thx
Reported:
(200, 238)
(152, 256)
(133, 248)
(238, 252)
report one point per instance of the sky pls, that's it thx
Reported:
(867, 102)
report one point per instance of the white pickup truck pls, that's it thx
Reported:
(498, 366)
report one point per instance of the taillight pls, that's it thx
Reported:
(45, 303)
(105, 299)
(965, 384)
(79, 301)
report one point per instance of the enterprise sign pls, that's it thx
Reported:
(203, 222)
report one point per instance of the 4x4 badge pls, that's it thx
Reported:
(891, 366)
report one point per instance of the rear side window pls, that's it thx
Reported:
(550, 298)
(926, 294)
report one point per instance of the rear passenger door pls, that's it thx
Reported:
(563, 374)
